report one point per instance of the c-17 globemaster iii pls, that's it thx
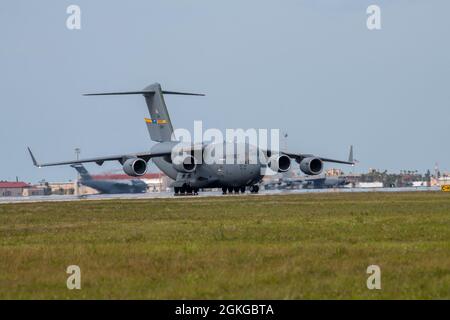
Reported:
(191, 172)
(109, 186)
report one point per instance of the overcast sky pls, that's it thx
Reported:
(310, 68)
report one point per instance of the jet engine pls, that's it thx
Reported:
(184, 163)
(135, 167)
(311, 166)
(279, 163)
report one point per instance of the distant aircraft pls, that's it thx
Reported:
(190, 173)
(324, 182)
(312, 182)
(109, 186)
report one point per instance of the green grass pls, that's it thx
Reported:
(244, 247)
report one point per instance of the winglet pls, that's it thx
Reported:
(350, 155)
(35, 163)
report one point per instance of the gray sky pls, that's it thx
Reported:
(310, 68)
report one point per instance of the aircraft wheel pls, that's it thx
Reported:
(236, 189)
(176, 190)
(224, 190)
(256, 188)
(243, 189)
(230, 189)
(189, 190)
(183, 190)
(195, 191)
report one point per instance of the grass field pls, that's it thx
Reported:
(243, 247)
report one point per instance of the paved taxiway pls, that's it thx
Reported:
(162, 195)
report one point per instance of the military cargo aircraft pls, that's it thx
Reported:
(108, 186)
(182, 162)
(324, 182)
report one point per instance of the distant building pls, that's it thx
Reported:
(419, 184)
(445, 180)
(12, 189)
(62, 188)
(334, 172)
(370, 185)
(434, 182)
(34, 191)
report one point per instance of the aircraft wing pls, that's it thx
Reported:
(99, 160)
(300, 156)
(336, 161)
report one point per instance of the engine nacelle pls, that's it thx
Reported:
(311, 166)
(184, 163)
(135, 167)
(279, 163)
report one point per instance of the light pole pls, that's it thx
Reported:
(77, 154)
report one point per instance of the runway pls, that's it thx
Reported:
(168, 195)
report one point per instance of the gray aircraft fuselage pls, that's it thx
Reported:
(109, 186)
(116, 187)
(212, 175)
(325, 182)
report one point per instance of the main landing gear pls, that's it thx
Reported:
(254, 189)
(230, 190)
(236, 190)
(185, 190)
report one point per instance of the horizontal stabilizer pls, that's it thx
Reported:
(160, 127)
(142, 92)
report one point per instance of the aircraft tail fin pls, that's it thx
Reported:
(84, 174)
(159, 125)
